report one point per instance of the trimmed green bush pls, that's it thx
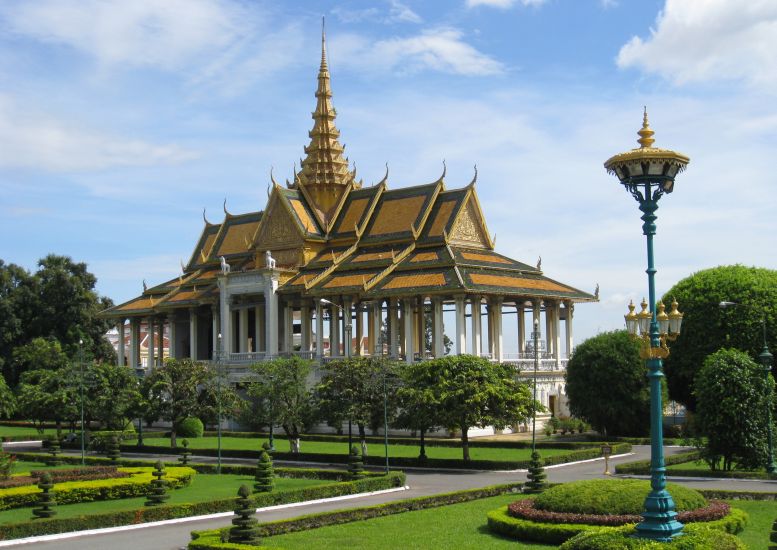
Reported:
(157, 492)
(264, 474)
(55, 449)
(621, 539)
(6, 464)
(612, 496)
(185, 453)
(537, 477)
(355, 464)
(114, 452)
(190, 427)
(642, 467)
(45, 499)
(244, 525)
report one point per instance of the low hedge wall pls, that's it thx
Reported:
(695, 537)
(211, 539)
(500, 521)
(722, 494)
(399, 462)
(642, 467)
(73, 492)
(171, 511)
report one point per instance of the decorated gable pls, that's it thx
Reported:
(469, 228)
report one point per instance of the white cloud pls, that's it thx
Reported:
(503, 4)
(440, 49)
(709, 40)
(35, 140)
(397, 13)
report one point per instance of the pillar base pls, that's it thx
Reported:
(659, 521)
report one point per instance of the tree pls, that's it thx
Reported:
(282, 397)
(114, 395)
(607, 385)
(730, 404)
(353, 389)
(38, 354)
(418, 410)
(706, 327)
(48, 395)
(472, 391)
(16, 306)
(173, 391)
(429, 328)
(7, 399)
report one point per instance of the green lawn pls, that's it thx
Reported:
(19, 430)
(699, 466)
(410, 451)
(463, 526)
(202, 488)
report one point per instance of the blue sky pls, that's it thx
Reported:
(121, 121)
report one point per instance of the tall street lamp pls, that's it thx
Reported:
(765, 358)
(647, 173)
(81, 391)
(218, 401)
(535, 335)
(139, 375)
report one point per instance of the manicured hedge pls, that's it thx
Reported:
(72, 492)
(170, 511)
(399, 462)
(622, 539)
(642, 467)
(211, 539)
(722, 494)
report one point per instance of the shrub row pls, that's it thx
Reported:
(525, 509)
(430, 442)
(72, 492)
(211, 539)
(400, 462)
(81, 474)
(500, 521)
(642, 467)
(694, 537)
(737, 495)
(170, 511)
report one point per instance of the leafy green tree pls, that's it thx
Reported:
(279, 389)
(706, 327)
(472, 391)
(418, 410)
(730, 400)
(7, 400)
(17, 304)
(607, 385)
(38, 354)
(114, 395)
(353, 389)
(215, 394)
(172, 391)
(48, 396)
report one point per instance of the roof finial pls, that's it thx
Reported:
(323, 43)
(204, 218)
(645, 134)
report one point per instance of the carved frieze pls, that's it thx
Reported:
(467, 228)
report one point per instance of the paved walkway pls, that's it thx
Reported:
(421, 482)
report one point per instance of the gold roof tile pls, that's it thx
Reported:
(516, 282)
(485, 257)
(397, 215)
(234, 241)
(304, 217)
(143, 302)
(442, 218)
(424, 257)
(348, 280)
(420, 279)
(353, 214)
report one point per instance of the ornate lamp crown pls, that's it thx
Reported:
(646, 162)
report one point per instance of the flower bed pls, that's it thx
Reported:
(60, 476)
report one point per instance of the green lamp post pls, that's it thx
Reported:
(647, 173)
(765, 358)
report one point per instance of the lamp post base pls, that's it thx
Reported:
(659, 518)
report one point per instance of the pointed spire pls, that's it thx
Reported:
(323, 45)
(645, 134)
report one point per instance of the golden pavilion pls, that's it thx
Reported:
(360, 264)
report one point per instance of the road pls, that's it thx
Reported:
(421, 483)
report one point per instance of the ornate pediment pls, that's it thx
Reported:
(468, 228)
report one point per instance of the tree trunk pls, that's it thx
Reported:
(173, 439)
(59, 429)
(465, 443)
(422, 454)
(362, 439)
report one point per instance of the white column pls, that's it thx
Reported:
(557, 332)
(334, 331)
(393, 328)
(304, 314)
(359, 329)
(521, 328)
(271, 313)
(347, 320)
(409, 315)
(120, 352)
(420, 327)
(150, 362)
(377, 318)
(535, 314)
(243, 330)
(476, 334)
(496, 326)
(161, 342)
(215, 326)
(193, 333)
(258, 329)
(438, 341)
(134, 354)
(549, 327)
(490, 320)
(225, 318)
(288, 328)
(461, 326)
(172, 319)
(319, 330)
(570, 310)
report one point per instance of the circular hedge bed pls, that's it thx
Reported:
(621, 539)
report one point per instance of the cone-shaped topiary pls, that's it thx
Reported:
(536, 483)
(113, 449)
(157, 492)
(54, 450)
(185, 453)
(244, 529)
(266, 447)
(264, 474)
(45, 499)
(355, 464)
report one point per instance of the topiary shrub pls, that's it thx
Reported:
(190, 427)
(355, 465)
(612, 496)
(6, 464)
(245, 524)
(693, 538)
(45, 499)
(113, 449)
(267, 448)
(55, 449)
(185, 454)
(157, 493)
(537, 476)
(264, 474)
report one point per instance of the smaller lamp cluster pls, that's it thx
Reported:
(669, 324)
